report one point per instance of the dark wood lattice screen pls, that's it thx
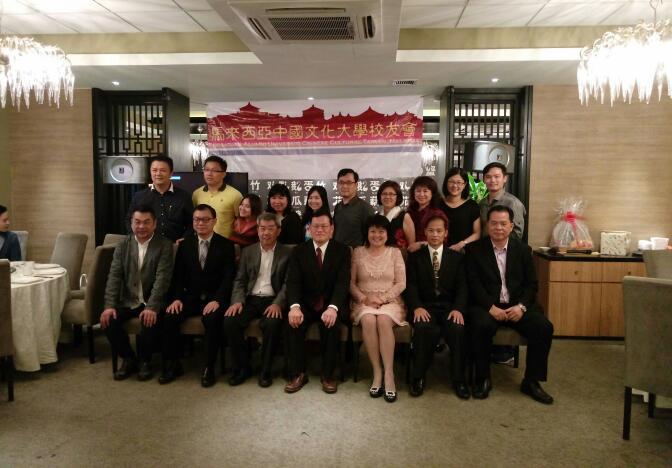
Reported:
(133, 129)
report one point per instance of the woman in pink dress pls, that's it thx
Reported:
(377, 279)
(245, 226)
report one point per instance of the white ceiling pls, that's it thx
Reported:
(287, 71)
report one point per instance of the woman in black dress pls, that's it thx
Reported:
(463, 213)
(401, 231)
(279, 204)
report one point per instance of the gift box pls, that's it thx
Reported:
(615, 243)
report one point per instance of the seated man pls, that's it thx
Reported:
(10, 248)
(503, 287)
(258, 293)
(137, 285)
(318, 281)
(436, 294)
(205, 265)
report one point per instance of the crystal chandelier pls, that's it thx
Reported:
(628, 58)
(26, 65)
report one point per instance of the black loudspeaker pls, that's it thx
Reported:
(478, 154)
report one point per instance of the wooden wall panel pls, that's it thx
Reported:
(52, 173)
(619, 159)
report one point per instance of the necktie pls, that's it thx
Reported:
(435, 264)
(203, 252)
(319, 304)
(318, 254)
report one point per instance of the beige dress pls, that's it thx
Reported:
(384, 274)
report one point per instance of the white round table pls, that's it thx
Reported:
(36, 319)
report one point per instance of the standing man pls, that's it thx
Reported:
(10, 248)
(503, 287)
(223, 198)
(318, 281)
(137, 285)
(495, 178)
(351, 213)
(436, 294)
(202, 282)
(259, 292)
(171, 204)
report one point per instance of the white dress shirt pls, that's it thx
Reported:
(262, 286)
(142, 251)
(500, 256)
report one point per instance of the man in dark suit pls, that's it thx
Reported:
(258, 293)
(436, 295)
(503, 288)
(137, 285)
(205, 266)
(317, 291)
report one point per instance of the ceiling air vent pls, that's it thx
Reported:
(404, 82)
(314, 28)
(259, 28)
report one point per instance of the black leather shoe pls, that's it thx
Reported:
(533, 389)
(481, 389)
(171, 371)
(461, 390)
(376, 392)
(239, 377)
(208, 377)
(417, 387)
(128, 367)
(145, 372)
(265, 380)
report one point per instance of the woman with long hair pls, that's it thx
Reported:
(245, 225)
(463, 213)
(317, 199)
(280, 204)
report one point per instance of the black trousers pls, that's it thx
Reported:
(234, 329)
(533, 326)
(426, 335)
(118, 338)
(172, 339)
(296, 344)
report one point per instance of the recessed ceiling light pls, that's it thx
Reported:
(494, 80)
(115, 83)
(311, 98)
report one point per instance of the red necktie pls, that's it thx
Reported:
(318, 253)
(320, 300)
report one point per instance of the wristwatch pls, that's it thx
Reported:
(522, 307)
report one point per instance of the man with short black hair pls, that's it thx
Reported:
(259, 292)
(495, 177)
(171, 204)
(10, 248)
(137, 284)
(351, 213)
(202, 281)
(503, 287)
(318, 282)
(224, 198)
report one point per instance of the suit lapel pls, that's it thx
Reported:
(255, 265)
(490, 254)
(326, 256)
(511, 251)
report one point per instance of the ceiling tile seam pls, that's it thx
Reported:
(118, 16)
(537, 13)
(613, 13)
(194, 20)
(457, 23)
(35, 10)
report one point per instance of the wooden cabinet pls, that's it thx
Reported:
(584, 297)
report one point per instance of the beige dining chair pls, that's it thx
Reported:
(113, 239)
(23, 242)
(69, 253)
(6, 340)
(658, 263)
(86, 311)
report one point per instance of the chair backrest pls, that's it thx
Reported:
(113, 239)
(6, 341)
(23, 242)
(94, 299)
(69, 253)
(648, 334)
(658, 263)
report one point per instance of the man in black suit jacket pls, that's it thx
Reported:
(202, 281)
(503, 288)
(318, 281)
(436, 295)
(259, 292)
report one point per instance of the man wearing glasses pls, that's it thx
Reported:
(351, 213)
(202, 283)
(216, 193)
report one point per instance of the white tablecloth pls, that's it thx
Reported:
(36, 321)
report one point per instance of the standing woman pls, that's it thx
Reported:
(425, 203)
(279, 204)
(377, 279)
(464, 216)
(402, 231)
(245, 226)
(317, 198)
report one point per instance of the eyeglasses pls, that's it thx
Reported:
(389, 194)
(212, 171)
(319, 226)
(456, 184)
(203, 220)
(346, 182)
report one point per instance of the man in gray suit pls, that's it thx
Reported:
(136, 287)
(258, 292)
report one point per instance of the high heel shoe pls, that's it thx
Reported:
(376, 392)
(390, 397)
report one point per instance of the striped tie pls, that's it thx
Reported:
(435, 264)
(203, 252)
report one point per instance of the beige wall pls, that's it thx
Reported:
(5, 179)
(50, 152)
(619, 159)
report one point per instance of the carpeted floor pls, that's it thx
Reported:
(77, 415)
